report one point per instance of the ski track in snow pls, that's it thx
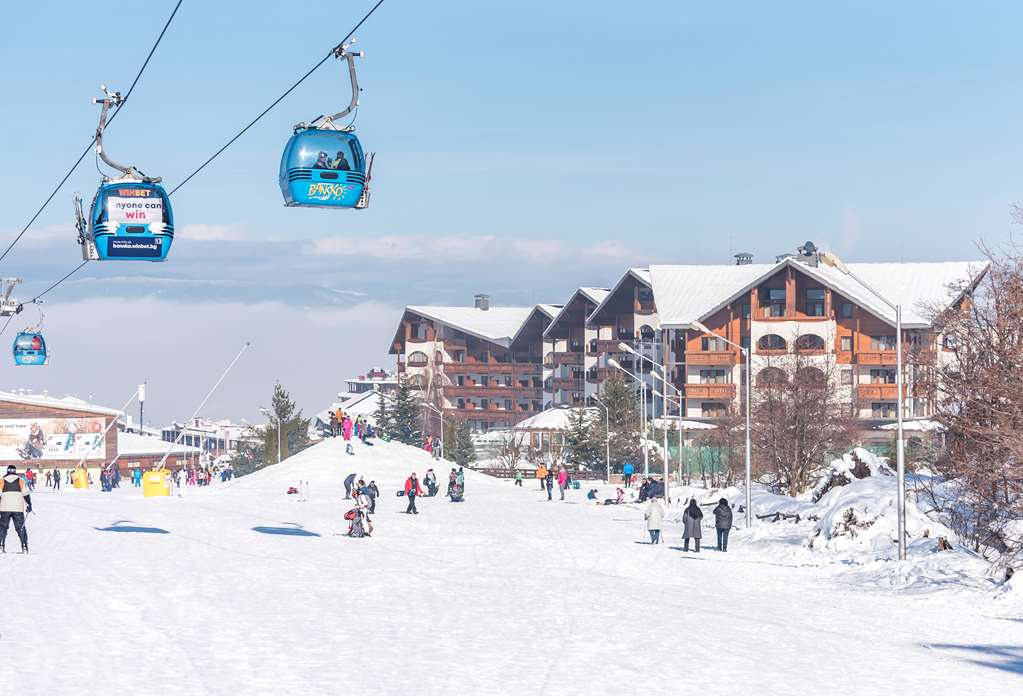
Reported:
(505, 593)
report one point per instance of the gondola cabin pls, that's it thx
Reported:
(131, 221)
(324, 168)
(30, 349)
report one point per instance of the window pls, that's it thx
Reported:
(646, 333)
(847, 377)
(809, 342)
(508, 381)
(775, 303)
(418, 359)
(461, 403)
(845, 342)
(815, 302)
(845, 310)
(461, 380)
(713, 343)
(507, 404)
(484, 380)
(744, 342)
(920, 409)
(713, 376)
(484, 403)
(771, 375)
(882, 409)
(811, 376)
(879, 343)
(882, 375)
(771, 342)
(712, 409)
(949, 342)
(744, 311)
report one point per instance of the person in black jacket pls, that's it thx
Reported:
(14, 503)
(723, 523)
(349, 483)
(373, 492)
(549, 482)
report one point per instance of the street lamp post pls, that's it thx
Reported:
(274, 418)
(747, 356)
(900, 452)
(642, 413)
(607, 435)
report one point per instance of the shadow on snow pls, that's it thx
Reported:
(127, 526)
(1007, 658)
(293, 530)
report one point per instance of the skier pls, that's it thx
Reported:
(654, 517)
(722, 523)
(412, 489)
(691, 525)
(349, 482)
(14, 503)
(562, 482)
(627, 471)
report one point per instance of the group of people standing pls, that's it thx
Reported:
(692, 523)
(341, 424)
(434, 446)
(548, 478)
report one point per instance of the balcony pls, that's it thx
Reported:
(525, 369)
(559, 358)
(877, 392)
(606, 346)
(710, 391)
(880, 357)
(491, 391)
(489, 413)
(451, 344)
(712, 357)
(412, 362)
(567, 383)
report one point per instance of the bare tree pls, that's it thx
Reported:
(800, 416)
(511, 450)
(980, 389)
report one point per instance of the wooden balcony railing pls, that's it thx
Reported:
(566, 358)
(881, 357)
(710, 391)
(712, 357)
(877, 392)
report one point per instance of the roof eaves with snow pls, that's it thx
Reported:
(594, 295)
(498, 324)
(548, 310)
(68, 403)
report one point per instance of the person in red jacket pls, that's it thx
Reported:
(412, 489)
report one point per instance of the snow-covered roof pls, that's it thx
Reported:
(135, 445)
(920, 425)
(68, 402)
(497, 324)
(687, 424)
(551, 310)
(685, 294)
(551, 419)
(594, 295)
(366, 404)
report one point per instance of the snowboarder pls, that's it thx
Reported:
(691, 525)
(14, 504)
(654, 518)
(349, 482)
(723, 523)
(412, 489)
(627, 471)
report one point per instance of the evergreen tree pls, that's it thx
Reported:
(404, 416)
(460, 448)
(622, 403)
(582, 449)
(260, 448)
(383, 419)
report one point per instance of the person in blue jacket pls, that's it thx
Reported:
(628, 470)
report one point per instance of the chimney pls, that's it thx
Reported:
(482, 302)
(743, 258)
(809, 254)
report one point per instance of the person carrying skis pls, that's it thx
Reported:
(14, 504)
(412, 489)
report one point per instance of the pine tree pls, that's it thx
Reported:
(461, 450)
(383, 418)
(404, 416)
(582, 449)
(294, 428)
(622, 403)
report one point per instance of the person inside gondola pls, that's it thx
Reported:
(37, 343)
(341, 163)
(321, 161)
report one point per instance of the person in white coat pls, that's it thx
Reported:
(654, 519)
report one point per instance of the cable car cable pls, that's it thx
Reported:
(81, 157)
(279, 99)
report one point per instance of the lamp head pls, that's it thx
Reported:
(700, 327)
(626, 348)
(613, 363)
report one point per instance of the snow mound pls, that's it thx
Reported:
(852, 466)
(861, 518)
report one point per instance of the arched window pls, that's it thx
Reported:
(439, 357)
(646, 333)
(809, 342)
(811, 376)
(771, 342)
(770, 375)
(548, 360)
(417, 381)
(418, 359)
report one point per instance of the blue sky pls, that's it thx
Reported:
(533, 146)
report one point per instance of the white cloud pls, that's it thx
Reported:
(211, 233)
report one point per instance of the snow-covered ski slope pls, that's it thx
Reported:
(241, 589)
